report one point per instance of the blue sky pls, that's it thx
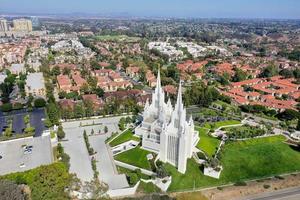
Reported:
(165, 8)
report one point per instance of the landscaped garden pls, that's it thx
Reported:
(244, 131)
(136, 157)
(124, 137)
(243, 160)
(207, 143)
(219, 124)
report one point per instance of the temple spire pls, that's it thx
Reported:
(179, 103)
(158, 82)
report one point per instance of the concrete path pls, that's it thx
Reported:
(106, 165)
(80, 162)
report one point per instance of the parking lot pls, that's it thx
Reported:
(80, 161)
(18, 124)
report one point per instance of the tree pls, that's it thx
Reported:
(39, 103)
(6, 107)
(105, 129)
(269, 71)
(239, 75)
(286, 73)
(298, 125)
(10, 190)
(29, 130)
(79, 110)
(26, 119)
(85, 88)
(53, 112)
(8, 132)
(60, 132)
(89, 108)
(55, 71)
(288, 114)
(99, 92)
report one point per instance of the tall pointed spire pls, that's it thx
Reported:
(158, 82)
(179, 103)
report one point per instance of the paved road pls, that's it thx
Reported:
(286, 194)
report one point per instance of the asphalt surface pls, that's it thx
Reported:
(286, 194)
(18, 124)
(14, 158)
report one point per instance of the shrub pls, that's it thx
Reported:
(240, 183)
(267, 186)
(39, 103)
(60, 132)
(6, 107)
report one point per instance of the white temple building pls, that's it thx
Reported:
(166, 131)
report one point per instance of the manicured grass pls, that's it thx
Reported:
(259, 157)
(148, 188)
(124, 137)
(251, 159)
(221, 123)
(136, 157)
(123, 170)
(192, 177)
(207, 143)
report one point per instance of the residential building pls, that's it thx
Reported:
(22, 25)
(3, 25)
(35, 85)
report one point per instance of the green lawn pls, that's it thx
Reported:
(255, 158)
(124, 137)
(207, 143)
(148, 188)
(221, 123)
(136, 157)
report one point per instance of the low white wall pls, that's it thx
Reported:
(123, 192)
(131, 167)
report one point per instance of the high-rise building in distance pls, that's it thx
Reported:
(22, 25)
(3, 25)
(35, 21)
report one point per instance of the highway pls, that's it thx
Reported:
(285, 194)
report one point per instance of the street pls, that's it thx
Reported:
(285, 194)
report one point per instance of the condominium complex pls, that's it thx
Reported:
(22, 25)
(3, 25)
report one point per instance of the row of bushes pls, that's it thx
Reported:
(87, 143)
(7, 107)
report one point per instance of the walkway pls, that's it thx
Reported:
(106, 165)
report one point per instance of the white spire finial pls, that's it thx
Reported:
(179, 95)
(158, 82)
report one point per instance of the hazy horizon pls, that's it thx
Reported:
(273, 9)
